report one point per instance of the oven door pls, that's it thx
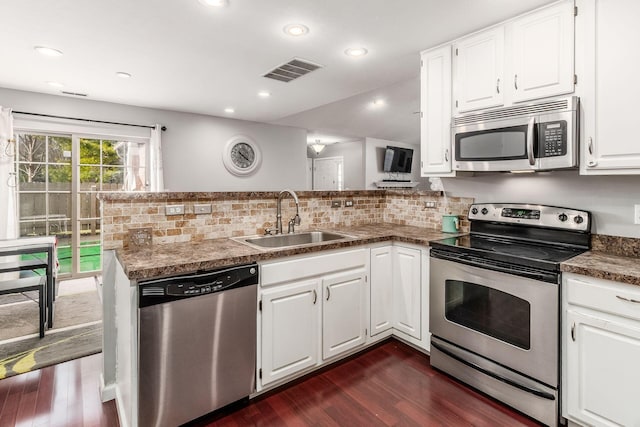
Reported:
(508, 319)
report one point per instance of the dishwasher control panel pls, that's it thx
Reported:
(158, 291)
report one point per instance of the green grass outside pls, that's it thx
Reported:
(90, 258)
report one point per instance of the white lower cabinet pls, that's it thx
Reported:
(382, 308)
(407, 298)
(312, 309)
(290, 323)
(399, 292)
(343, 313)
(602, 343)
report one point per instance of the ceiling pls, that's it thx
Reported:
(186, 56)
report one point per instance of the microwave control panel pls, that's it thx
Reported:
(552, 138)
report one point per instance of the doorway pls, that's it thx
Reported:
(328, 173)
(59, 177)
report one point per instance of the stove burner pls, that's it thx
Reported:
(521, 251)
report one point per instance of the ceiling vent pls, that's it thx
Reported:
(292, 70)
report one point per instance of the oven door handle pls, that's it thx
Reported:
(509, 381)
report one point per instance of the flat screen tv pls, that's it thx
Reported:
(398, 159)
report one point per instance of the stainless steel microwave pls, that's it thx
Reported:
(531, 137)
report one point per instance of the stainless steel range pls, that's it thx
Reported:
(495, 301)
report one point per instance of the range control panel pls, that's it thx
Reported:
(535, 215)
(553, 138)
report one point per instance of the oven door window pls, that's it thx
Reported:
(492, 312)
(509, 143)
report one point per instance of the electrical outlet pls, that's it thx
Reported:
(174, 210)
(430, 205)
(202, 209)
(348, 203)
(336, 203)
(636, 216)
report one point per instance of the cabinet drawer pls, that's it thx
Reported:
(310, 266)
(604, 295)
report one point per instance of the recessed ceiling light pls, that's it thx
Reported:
(264, 94)
(229, 110)
(123, 75)
(55, 84)
(356, 51)
(48, 51)
(214, 3)
(378, 102)
(296, 30)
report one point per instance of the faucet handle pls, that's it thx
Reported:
(268, 232)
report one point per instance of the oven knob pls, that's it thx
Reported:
(578, 219)
(484, 211)
(562, 217)
(474, 211)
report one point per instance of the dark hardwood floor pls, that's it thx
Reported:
(61, 395)
(390, 385)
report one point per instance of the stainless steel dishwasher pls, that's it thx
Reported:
(197, 344)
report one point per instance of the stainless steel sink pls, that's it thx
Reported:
(295, 239)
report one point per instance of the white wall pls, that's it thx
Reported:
(192, 144)
(609, 198)
(374, 159)
(353, 157)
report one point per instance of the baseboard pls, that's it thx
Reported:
(107, 392)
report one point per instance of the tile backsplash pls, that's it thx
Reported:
(246, 213)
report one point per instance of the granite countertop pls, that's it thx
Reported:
(605, 265)
(170, 259)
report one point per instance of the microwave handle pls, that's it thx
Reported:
(530, 129)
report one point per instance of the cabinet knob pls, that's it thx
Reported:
(446, 155)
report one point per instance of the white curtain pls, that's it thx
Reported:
(8, 181)
(156, 173)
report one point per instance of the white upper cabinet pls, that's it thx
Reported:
(543, 53)
(478, 70)
(435, 116)
(607, 55)
(526, 58)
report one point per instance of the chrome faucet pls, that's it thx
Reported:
(293, 221)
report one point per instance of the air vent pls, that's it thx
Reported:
(73, 93)
(292, 70)
(156, 292)
(564, 104)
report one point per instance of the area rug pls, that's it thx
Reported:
(17, 320)
(60, 346)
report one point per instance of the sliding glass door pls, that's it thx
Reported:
(59, 177)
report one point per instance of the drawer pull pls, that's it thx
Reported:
(635, 301)
(315, 296)
(328, 293)
(573, 331)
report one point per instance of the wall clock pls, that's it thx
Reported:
(241, 155)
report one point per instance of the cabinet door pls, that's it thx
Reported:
(290, 325)
(381, 289)
(607, 32)
(435, 114)
(543, 53)
(343, 313)
(603, 371)
(479, 64)
(407, 290)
